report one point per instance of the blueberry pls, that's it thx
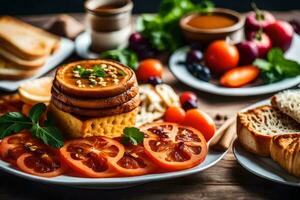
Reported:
(190, 104)
(194, 56)
(154, 80)
(199, 71)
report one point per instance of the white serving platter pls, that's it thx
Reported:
(65, 50)
(262, 166)
(183, 75)
(114, 183)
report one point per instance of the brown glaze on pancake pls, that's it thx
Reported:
(65, 81)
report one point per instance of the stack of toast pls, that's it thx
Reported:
(274, 130)
(23, 48)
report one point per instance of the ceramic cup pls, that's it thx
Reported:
(109, 22)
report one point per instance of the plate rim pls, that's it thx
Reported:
(249, 169)
(110, 183)
(244, 91)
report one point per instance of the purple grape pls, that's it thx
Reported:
(154, 80)
(194, 56)
(296, 25)
(137, 41)
(190, 104)
(248, 52)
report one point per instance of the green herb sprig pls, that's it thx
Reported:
(162, 30)
(132, 135)
(96, 71)
(14, 122)
(276, 67)
(124, 56)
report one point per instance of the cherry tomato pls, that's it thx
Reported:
(12, 147)
(148, 68)
(200, 121)
(134, 162)
(187, 96)
(93, 157)
(174, 147)
(239, 76)
(221, 56)
(174, 114)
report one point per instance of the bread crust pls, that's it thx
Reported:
(285, 150)
(255, 141)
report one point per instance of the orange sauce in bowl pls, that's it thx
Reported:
(213, 21)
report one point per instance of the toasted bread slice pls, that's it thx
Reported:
(21, 63)
(257, 127)
(75, 127)
(24, 40)
(11, 71)
(288, 102)
(285, 149)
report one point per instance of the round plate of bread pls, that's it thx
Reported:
(94, 126)
(268, 142)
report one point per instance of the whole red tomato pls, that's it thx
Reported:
(221, 56)
(149, 68)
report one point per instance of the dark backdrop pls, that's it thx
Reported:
(24, 7)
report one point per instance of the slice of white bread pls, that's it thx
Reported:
(21, 63)
(11, 71)
(256, 128)
(288, 102)
(24, 40)
(285, 150)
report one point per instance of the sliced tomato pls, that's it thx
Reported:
(174, 147)
(93, 157)
(135, 162)
(12, 147)
(43, 162)
(239, 76)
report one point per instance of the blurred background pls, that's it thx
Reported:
(30, 7)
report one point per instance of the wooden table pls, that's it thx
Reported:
(225, 180)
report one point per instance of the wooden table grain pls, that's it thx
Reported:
(226, 180)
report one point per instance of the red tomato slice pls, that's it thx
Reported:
(12, 147)
(43, 162)
(135, 162)
(93, 157)
(174, 147)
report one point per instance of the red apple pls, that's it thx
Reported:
(262, 42)
(281, 34)
(248, 52)
(258, 19)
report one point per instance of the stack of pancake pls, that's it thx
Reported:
(95, 97)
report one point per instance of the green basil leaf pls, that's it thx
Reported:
(49, 135)
(36, 112)
(13, 117)
(8, 129)
(132, 135)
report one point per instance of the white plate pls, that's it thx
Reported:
(186, 77)
(113, 183)
(65, 50)
(82, 46)
(262, 166)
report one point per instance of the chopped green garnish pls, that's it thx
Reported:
(98, 71)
